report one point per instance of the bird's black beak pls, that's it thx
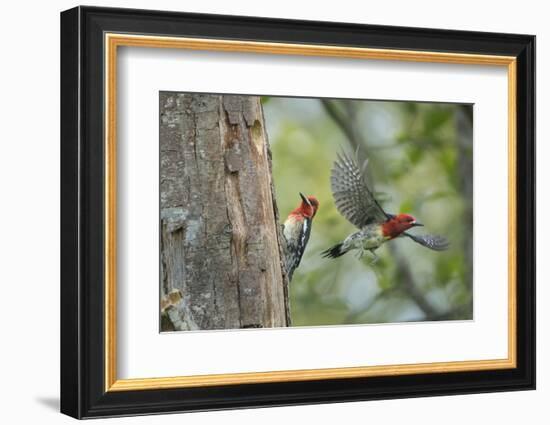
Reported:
(416, 223)
(305, 199)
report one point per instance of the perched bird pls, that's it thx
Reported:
(355, 201)
(297, 229)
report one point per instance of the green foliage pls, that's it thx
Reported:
(416, 165)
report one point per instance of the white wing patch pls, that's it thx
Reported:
(304, 235)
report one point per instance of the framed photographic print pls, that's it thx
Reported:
(261, 212)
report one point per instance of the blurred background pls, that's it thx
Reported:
(420, 162)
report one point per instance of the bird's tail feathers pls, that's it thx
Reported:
(334, 251)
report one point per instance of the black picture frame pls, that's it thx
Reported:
(82, 212)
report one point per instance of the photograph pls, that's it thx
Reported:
(292, 211)
(262, 211)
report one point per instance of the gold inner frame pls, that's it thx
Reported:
(113, 41)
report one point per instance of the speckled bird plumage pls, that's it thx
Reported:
(297, 230)
(357, 203)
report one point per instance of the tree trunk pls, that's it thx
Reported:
(221, 247)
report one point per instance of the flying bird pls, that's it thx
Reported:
(356, 202)
(297, 229)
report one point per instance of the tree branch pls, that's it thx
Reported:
(346, 125)
(409, 286)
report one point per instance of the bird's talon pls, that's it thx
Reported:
(357, 203)
(375, 258)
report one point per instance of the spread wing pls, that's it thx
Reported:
(353, 198)
(434, 242)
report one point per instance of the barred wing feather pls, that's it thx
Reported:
(352, 196)
(434, 242)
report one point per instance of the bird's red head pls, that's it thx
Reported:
(308, 207)
(398, 224)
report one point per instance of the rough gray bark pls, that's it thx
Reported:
(219, 234)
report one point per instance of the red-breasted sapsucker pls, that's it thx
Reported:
(355, 201)
(297, 229)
